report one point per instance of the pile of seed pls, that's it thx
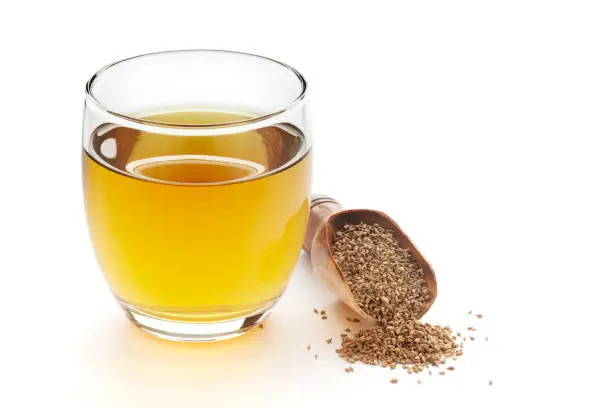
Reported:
(415, 343)
(388, 284)
(385, 279)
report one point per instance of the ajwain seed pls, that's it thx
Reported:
(388, 284)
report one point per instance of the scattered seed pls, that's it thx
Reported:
(442, 373)
(324, 317)
(347, 330)
(316, 356)
(470, 312)
(316, 311)
(490, 383)
(356, 320)
(472, 338)
(308, 348)
(328, 341)
(479, 316)
(394, 381)
(451, 368)
(323, 312)
(419, 382)
(349, 370)
(261, 326)
(471, 329)
(343, 335)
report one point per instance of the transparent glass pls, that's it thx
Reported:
(196, 173)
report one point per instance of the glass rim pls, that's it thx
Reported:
(89, 94)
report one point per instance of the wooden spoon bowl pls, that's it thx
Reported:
(326, 217)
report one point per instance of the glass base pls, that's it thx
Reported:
(191, 331)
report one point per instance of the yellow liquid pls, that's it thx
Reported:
(197, 228)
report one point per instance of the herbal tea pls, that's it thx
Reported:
(197, 228)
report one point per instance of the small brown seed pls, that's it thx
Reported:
(347, 330)
(328, 341)
(349, 370)
(316, 311)
(388, 284)
(479, 316)
(451, 368)
(442, 373)
(394, 381)
(472, 338)
(316, 356)
(323, 312)
(308, 348)
(324, 317)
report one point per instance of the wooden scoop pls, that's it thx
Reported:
(326, 217)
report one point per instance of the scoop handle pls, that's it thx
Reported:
(321, 207)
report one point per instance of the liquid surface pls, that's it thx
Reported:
(200, 228)
(194, 169)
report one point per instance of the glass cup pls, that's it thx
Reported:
(196, 173)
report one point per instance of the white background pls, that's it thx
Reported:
(482, 127)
